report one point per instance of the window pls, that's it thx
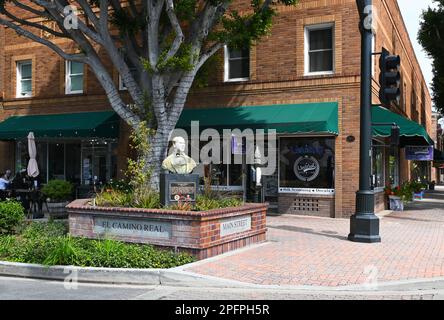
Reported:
(74, 77)
(306, 165)
(237, 64)
(132, 68)
(319, 54)
(378, 167)
(24, 79)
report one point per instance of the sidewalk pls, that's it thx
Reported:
(307, 251)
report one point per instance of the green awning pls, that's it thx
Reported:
(286, 118)
(103, 124)
(411, 132)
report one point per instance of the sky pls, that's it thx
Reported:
(411, 12)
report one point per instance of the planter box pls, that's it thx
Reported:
(203, 234)
(57, 210)
(396, 204)
(418, 196)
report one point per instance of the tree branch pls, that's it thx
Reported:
(49, 44)
(177, 29)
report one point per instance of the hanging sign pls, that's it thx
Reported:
(419, 153)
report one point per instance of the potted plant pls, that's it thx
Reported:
(58, 194)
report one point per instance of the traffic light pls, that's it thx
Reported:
(390, 78)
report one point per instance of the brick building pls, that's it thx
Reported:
(308, 69)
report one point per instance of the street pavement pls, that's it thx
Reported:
(29, 289)
(305, 258)
(308, 251)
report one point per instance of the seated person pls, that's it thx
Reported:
(4, 183)
(21, 180)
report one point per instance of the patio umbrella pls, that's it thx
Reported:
(33, 169)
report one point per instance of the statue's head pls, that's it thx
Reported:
(179, 144)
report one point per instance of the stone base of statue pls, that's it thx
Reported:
(175, 188)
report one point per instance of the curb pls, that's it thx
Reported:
(181, 278)
(142, 277)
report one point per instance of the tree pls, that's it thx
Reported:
(158, 49)
(431, 37)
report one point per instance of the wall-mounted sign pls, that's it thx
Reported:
(419, 153)
(307, 191)
(306, 168)
(145, 228)
(182, 191)
(270, 184)
(235, 225)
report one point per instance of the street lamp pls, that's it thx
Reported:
(364, 224)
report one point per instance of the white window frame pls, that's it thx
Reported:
(19, 65)
(227, 67)
(68, 78)
(307, 30)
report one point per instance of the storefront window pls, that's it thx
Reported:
(394, 170)
(378, 167)
(306, 165)
(56, 159)
(98, 162)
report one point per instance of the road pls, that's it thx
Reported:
(29, 289)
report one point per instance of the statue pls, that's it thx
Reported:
(178, 162)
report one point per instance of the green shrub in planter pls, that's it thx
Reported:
(11, 215)
(58, 190)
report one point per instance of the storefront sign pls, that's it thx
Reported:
(307, 191)
(235, 225)
(419, 153)
(270, 184)
(306, 168)
(133, 228)
(182, 191)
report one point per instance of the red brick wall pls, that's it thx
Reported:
(277, 76)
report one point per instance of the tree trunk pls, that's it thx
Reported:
(155, 155)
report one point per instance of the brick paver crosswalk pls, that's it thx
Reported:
(316, 252)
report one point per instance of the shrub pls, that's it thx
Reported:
(146, 198)
(47, 243)
(58, 190)
(64, 251)
(204, 203)
(11, 215)
(114, 198)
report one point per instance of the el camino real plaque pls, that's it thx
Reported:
(132, 228)
(235, 225)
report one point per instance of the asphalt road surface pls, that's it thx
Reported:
(29, 289)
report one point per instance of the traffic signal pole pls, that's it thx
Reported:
(364, 224)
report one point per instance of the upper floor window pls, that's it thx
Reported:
(237, 64)
(74, 77)
(319, 49)
(24, 79)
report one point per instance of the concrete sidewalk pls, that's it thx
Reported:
(307, 251)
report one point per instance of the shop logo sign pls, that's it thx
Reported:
(306, 168)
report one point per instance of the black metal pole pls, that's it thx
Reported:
(364, 224)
